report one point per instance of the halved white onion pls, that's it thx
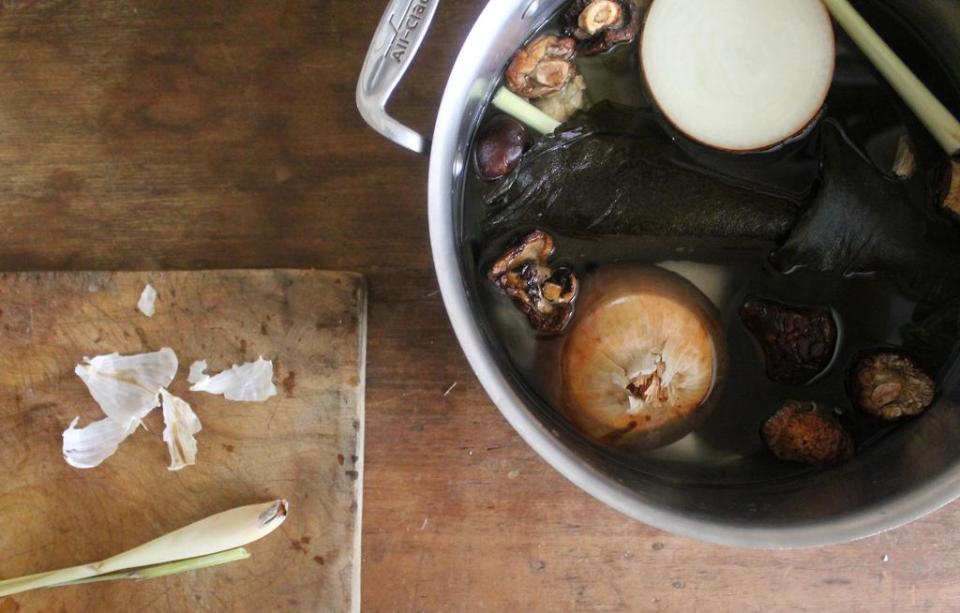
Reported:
(740, 75)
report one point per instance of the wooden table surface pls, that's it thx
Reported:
(184, 134)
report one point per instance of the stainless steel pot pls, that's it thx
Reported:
(901, 478)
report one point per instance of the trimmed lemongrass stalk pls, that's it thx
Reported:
(934, 115)
(215, 534)
(523, 111)
(170, 568)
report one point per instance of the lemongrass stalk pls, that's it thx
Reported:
(170, 568)
(938, 120)
(183, 566)
(523, 111)
(217, 533)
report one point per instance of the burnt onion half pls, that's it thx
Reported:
(738, 75)
(643, 358)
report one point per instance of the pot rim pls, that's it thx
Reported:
(446, 160)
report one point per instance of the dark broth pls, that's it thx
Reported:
(727, 448)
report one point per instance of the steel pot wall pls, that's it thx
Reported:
(901, 478)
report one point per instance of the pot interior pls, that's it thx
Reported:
(704, 485)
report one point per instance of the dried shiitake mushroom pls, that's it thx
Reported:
(642, 358)
(905, 158)
(807, 432)
(889, 385)
(798, 343)
(598, 25)
(542, 67)
(546, 295)
(951, 199)
(501, 143)
(905, 164)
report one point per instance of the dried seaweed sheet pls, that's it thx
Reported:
(861, 221)
(613, 171)
(935, 339)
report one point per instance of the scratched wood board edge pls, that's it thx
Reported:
(355, 589)
(359, 390)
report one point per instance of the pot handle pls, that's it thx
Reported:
(395, 43)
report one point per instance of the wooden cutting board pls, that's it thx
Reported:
(305, 444)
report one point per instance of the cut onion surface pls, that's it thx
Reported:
(738, 75)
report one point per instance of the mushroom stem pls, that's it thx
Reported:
(600, 15)
(938, 120)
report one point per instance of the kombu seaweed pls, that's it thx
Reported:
(935, 339)
(614, 171)
(863, 221)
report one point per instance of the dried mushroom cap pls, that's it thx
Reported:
(542, 67)
(951, 202)
(807, 432)
(798, 343)
(563, 104)
(905, 159)
(544, 294)
(599, 25)
(500, 146)
(535, 247)
(889, 386)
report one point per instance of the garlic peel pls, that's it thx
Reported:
(127, 387)
(147, 302)
(249, 382)
(197, 370)
(89, 446)
(181, 424)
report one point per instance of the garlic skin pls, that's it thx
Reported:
(89, 446)
(127, 387)
(147, 302)
(180, 426)
(197, 370)
(250, 382)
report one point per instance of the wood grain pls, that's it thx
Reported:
(305, 444)
(176, 134)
